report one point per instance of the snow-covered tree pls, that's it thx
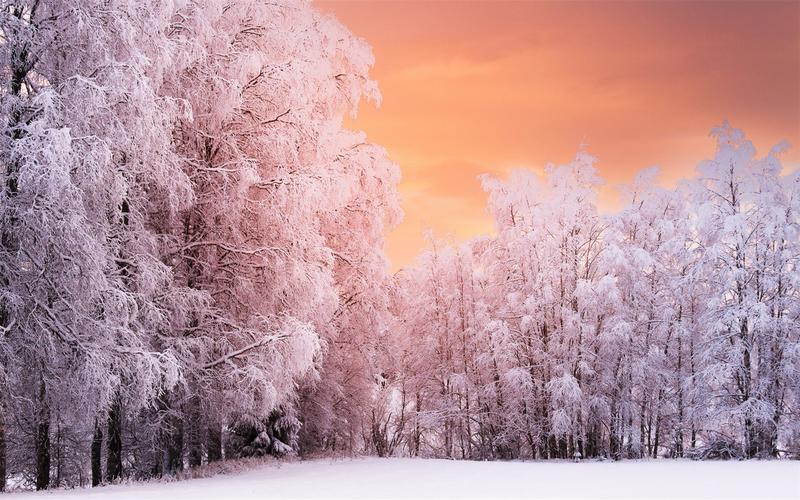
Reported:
(179, 202)
(665, 329)
(746, 226)
(286, 233)
(88, 173)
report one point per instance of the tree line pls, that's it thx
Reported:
(668, 329)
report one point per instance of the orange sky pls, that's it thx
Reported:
(474, 87)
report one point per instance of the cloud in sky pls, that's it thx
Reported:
(473, 87)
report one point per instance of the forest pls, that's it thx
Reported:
(192, 270)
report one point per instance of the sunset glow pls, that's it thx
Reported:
(477, 87)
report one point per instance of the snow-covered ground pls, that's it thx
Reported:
(418, 478)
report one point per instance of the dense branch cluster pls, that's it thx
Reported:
(668, 329)
(192, 269)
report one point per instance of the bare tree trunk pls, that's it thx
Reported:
(2, 448)
(195, 430)
(58, 449)
(43, 455)
(43, 442)
(173, 455)
(214, 443)
(657, 436)
(751, 438)
(114, 442)
(417, 431)
(172, 442)
(97, 450)
(642, 435)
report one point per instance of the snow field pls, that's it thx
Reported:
(429, 479)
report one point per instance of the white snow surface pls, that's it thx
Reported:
(423, 478)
